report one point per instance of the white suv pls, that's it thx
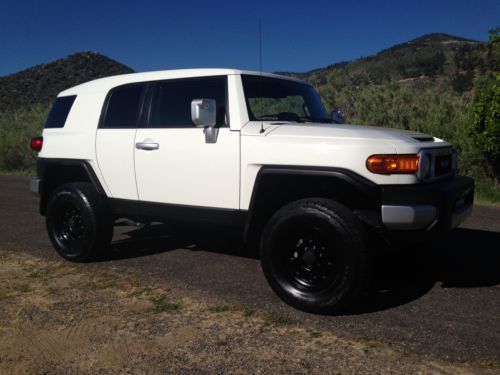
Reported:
(254, 151)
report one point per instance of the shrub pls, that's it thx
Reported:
(16, 130)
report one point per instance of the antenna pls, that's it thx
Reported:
(260, 71)
(260, 47)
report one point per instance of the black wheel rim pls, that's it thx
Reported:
(69, 227)
(306, 257)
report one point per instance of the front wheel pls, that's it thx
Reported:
(79, 223)
(314, 257)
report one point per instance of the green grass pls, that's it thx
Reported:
(247, 312)
(32, 273)
(275, 319)
(162, 304)
(219, 308)
(486, 192)
(23, 288)
(315, 334)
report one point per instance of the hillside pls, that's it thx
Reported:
(428, 84)
(40, 84)
(433, 56)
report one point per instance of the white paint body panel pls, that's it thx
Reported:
(115, 157)
(185, 170)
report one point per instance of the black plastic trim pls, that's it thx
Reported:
(46, 183)
(364, 191)
(152, 211)
(451, 197)
(43, 163)
(369, 188)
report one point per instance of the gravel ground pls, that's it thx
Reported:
(61, 318)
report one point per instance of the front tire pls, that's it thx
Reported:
(314, 257)
(79, 222)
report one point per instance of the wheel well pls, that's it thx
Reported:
(57, 175)
(274, 190)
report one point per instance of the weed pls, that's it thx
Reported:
(275, 319)
(23, 288)
(219, 309)
(52, 290)
(147, 291)
(32, 273)
(161, 304)
(315, 334)
(304, 364)
(3, 294)
(247, 311)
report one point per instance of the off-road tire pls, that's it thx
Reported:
(313, 255)
(79, 222)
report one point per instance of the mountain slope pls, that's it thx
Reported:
(435, 56)
(40, 84)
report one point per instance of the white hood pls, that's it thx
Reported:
(335, 131)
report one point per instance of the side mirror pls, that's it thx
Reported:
(204, 115)
(338, 117)
(203, 112)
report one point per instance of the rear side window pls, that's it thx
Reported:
(171, 106)
(59, 112)
(123, 108)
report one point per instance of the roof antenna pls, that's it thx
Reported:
(260, 72)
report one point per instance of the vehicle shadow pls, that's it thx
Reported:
(466, 258)
(159, 238)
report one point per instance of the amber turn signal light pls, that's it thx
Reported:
(393, 164)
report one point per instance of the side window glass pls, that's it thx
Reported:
(59, 112)
(171, 106)
(124, 107)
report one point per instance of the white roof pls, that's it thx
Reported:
(107, 83)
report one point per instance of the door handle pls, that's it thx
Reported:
(147, 146)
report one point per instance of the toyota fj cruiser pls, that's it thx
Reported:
(254, 151)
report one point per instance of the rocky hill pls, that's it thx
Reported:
(40, 84)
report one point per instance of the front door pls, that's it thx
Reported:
(173, 163)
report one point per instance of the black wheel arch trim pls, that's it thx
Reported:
(369, 190)
(83, 166)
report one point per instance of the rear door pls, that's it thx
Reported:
(173, 163)
(115, 139)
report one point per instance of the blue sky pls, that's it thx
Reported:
(297, 35)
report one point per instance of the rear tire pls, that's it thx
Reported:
(314, 257)
(79, 222)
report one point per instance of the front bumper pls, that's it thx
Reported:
(433, 207)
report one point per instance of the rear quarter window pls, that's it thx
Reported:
(123, 107)
(59, 112)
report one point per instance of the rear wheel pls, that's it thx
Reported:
(79, 222)
(314, 257)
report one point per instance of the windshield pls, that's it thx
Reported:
(270, 99)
